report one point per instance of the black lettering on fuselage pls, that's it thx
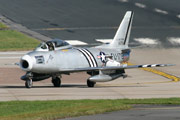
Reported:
(116, 56)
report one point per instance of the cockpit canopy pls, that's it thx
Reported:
(55, 44)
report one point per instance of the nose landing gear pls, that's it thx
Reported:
(28, 83)
(28, 79)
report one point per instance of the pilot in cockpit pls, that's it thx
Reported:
(50, 46)
(55, 44)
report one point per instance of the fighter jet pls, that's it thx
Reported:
(103, 63)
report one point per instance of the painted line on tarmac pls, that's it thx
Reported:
(75, 42)
(15, 57)
(147, 41)
(178, 16)
(174, 40)
(140, 5)
(123, 1)
(104, 40)
(158, 72)
(161, 11)
(14, 53)
(77, 28)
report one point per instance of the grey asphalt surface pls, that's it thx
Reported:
(147, 112)
(87, 20)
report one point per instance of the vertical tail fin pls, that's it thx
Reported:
(122, 35)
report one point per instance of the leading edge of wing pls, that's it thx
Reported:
(115, 67)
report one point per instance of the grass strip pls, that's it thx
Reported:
(11, 40)
(3, 26)
(50, 110)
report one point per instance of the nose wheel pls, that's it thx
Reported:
(28, 83)
(56, 82)
(90, 83)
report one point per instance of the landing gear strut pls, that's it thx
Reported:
(56, 81)
(28, 83)
(90, 83)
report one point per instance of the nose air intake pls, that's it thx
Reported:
(26, 63)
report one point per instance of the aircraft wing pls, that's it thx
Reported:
(116, 67)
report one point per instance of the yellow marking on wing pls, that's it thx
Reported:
(64, 50)
(155, 71)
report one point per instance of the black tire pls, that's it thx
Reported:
(90, 83)
(28, 83)
(56, 82)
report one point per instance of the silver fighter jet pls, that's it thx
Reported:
(104, 63)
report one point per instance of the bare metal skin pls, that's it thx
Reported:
(104, 63)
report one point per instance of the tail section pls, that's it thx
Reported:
(122, 35)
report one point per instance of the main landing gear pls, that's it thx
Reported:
(90, 83)
(56, 81)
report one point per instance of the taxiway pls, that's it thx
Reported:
(140, 112)
(138, 84)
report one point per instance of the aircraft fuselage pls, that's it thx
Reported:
(57, 61)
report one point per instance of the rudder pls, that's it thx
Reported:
(121, 37)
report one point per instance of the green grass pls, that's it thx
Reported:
(50, 110)
(2, 26)
(11, 40)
